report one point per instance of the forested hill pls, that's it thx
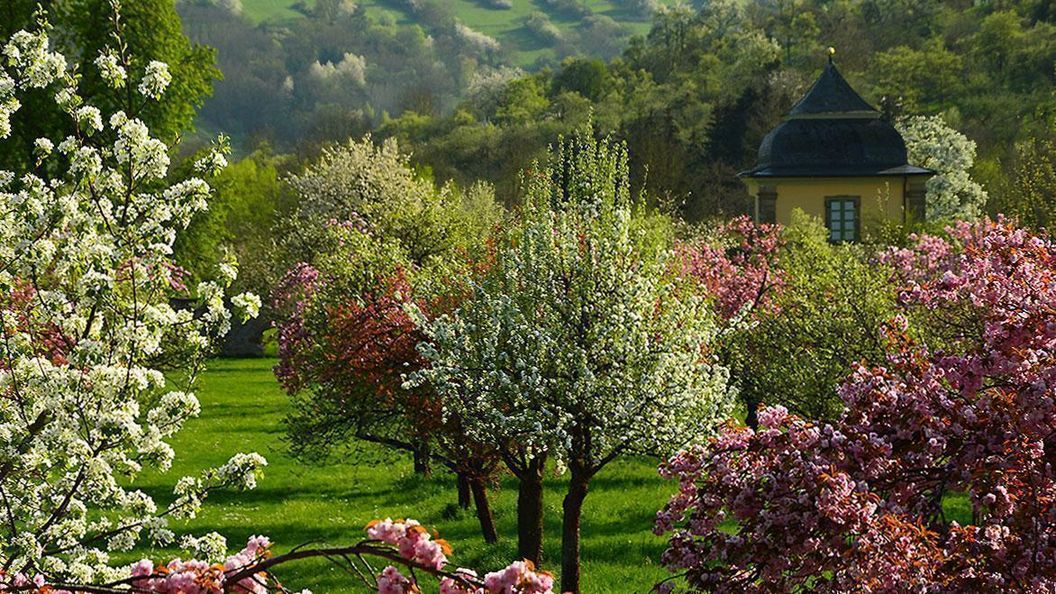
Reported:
(297, 72)
(695, 96)
(532, 32)
(478, 88)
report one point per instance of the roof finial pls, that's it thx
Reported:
(831, 52)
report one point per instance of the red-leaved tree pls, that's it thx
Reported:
(344, 357)
(861, 504)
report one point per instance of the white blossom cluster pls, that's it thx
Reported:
(87, 327)
(481, 42)
(351, 67)
(578, 344)
(155, 80)
(951, 193)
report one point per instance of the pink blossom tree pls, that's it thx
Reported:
(856, 505)
(736, 264)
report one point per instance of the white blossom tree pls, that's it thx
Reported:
(87, 325)
(579, 344)
(951, 193)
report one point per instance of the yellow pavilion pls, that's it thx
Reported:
(835, 158)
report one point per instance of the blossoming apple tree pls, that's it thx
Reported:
(576, 344)
(86, 324)
(861, 504)
(86, 332)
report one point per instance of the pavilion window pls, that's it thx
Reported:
(843, 218)
(767, 205)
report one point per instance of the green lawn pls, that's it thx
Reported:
(263, 10)
(242, 410)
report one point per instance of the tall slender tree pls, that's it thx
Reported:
(579, 344)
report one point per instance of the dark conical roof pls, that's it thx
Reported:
(832, 94)
(833, 132)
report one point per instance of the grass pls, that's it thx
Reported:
(505, 25)
(266, 10)
(243, 409)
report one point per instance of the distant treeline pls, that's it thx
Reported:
(331, 74)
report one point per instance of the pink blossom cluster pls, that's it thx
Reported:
(519, 577)
(417, 546)
(412, 540)
(856, 505)
(737, 267)
(199, 577)
(391, 581)
(20, 582)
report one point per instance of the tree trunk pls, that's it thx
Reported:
(530, 512)
(464, 495)
(487, 521)
(752, 418)
(573, 510)
(421, 460)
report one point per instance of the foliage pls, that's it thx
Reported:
(249, 200)
(924, 79)
(373, 186)
(1028, 192)
(856, 504)
(825, 316)
(574, 345)
(87, 284)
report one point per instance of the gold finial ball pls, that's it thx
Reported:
(832, 51)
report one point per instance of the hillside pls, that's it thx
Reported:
(509, 26)
(304, 72)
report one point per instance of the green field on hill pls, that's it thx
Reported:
(295, 504)
(505, 25)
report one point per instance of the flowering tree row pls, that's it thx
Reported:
(565, 338)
